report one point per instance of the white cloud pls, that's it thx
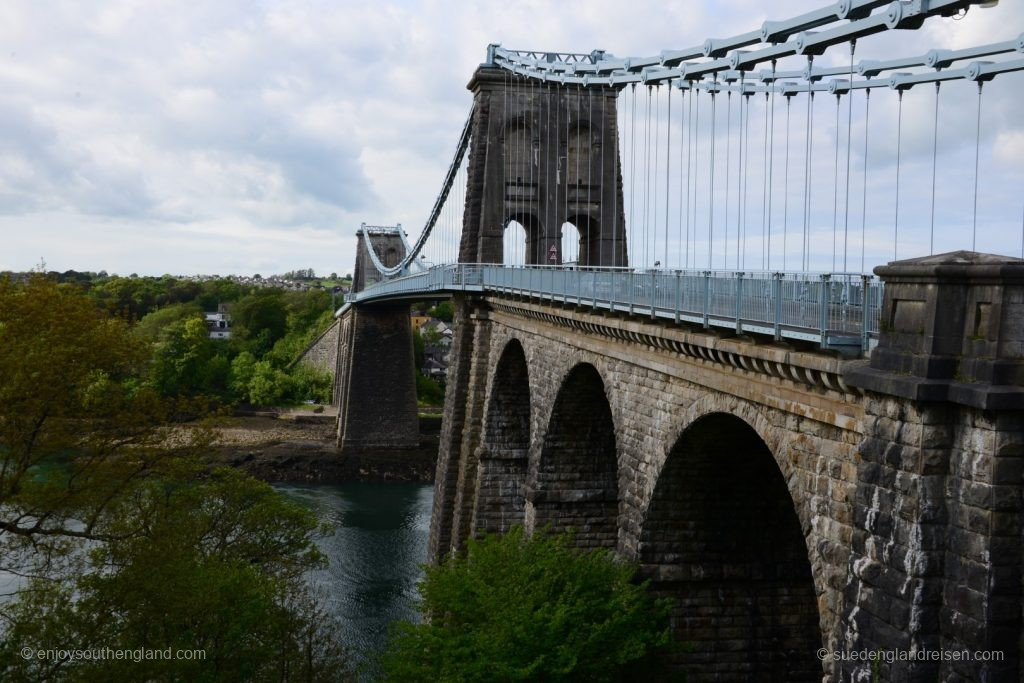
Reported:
(235, 136)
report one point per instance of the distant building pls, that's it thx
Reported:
(219, 323)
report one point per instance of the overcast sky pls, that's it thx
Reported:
(242, 136)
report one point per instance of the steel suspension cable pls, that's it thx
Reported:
(711, 180)
(785, 187)
(935, 158)
(657, 149)
(632, 173)
(864, 202)
(728, 159)
(739, 172)
(899, 140)
(682, 129)
(668, 165)
(807, 171)
(647, 173)
(849, 141)
(977, 156)
(746, 165)
(771, 174)
(764, 188)
(696, 163)
(835, 190)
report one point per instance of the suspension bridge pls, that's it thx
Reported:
(667, 340)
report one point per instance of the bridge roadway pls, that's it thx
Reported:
(829, 310)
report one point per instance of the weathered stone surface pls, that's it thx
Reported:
(593, 418)
(375, 383)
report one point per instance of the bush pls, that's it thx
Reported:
(517, 608)
(428, 391)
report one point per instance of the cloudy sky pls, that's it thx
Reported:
(237, 136)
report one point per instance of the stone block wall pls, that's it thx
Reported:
(655, 381)
(322, 354)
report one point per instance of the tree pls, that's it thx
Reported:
(70, 406)
(442, 311)
(186, 362)
(213, 564)
(517, 608)
(125, 540)
(261, 318)
(153, 324)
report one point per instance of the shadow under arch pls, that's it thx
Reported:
(722, 537)
(574, 483)
(501, 473)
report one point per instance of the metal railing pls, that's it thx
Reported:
(834, 310)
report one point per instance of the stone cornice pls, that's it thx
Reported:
(813, 370)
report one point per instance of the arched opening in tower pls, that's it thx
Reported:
(514, 244)
(522, 243)
(575, 484)
(502, 469)
(722, 537)
(571, 245)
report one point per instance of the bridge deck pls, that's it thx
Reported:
(827, 309)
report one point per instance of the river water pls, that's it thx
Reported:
(380, 540)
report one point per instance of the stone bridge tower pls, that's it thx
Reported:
(543, 156)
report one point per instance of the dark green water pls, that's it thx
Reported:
(379, 542)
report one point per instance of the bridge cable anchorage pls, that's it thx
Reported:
(864, 202)
(899, 140)
(849, 148)
(935, 156)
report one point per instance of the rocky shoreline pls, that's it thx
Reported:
(299, 446)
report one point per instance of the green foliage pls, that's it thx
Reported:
(132, 544)
(242, 370)
(212, 564)
(443, 311)
(153, 324)
(517, 608)
(186, 361)
(428, 392)
(268, 385)
(260, 319)
(310, 384)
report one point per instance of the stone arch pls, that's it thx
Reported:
(504, 454)
(573, 482)
(723, 536)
